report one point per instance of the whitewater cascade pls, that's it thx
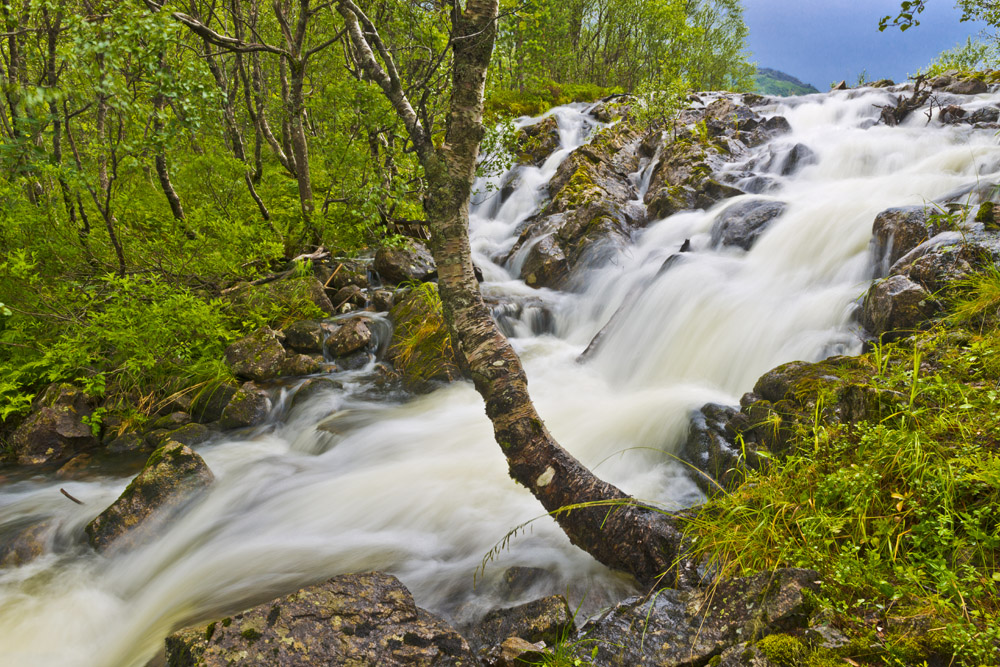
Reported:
(419, 488)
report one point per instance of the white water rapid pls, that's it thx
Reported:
(419, 488)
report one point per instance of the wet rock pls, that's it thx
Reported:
(788, 161)
(343, 273)
(711, 449)
(682, 180)
(171, 476)
(298, 365)
(23, 545)
(127, 443)
(536, 142)
(897, 231)
(350, 620)
(840, 86)
(76, 466)
(191, 434)
(172, 421)
(545, 263)
(896, 306)
(307, 335)
(742, 223)
(351, 336)
(383, 300)
(57, 428)
(312, 388)
(951, 114)
(351, 294)
(420, 349)
(683, 629)
(984, 115)
(514, 652)
(969, 86)
(945, 259)
(941, 81)
(612, 107)
(209, 403)
(547, 619)
(410, 262)
(248, 407)
(258, 356)
(517, 581)
(883, 83)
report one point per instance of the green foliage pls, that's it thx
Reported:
(896, 513)
(421, 346)
(540, 97)
(772, 82)
(968, 57)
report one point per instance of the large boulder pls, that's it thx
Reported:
(350, 620)
(58, 428)
(687, 629)
(171, 476)
(742, 223)
(683, 178)
(897, 231)
(248, 407)
(211, 400)
(712, 450)
(258, 356)
(411, 262)
(896, 306)
(969, 86)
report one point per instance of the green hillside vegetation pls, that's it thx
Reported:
(773, 82)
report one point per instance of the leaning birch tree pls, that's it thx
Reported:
(604, 521)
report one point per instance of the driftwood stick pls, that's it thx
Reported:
(67, 494)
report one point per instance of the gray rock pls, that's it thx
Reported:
(537, 141)
(970, 86)
(411, 262)
(258, 356)
(712, 450)
(248, 407)
(742, 223)
(897, 231)
(172, 421)
(383, 300)
(351, 294)
(545, 263)
(348, 621)
(25, 544)
(171, 476)
(191, 434)
(352, 336)
(56, 430)
(297, 365)
(547, 619)
(127, 443)
(896, 306)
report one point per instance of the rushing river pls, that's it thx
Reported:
(419, 488)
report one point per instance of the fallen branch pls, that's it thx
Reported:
(67, 494)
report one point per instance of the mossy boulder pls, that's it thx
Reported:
(258, 356)
(286, 300)
(421, 350)
(350, 620)
(191, 434)
(682, 179)
(537, 141)
(173, 474)
(351, 336)
(411, 262)
(248, 407)
(968, 86)
(57, 428)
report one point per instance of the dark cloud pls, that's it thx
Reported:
(824, 41)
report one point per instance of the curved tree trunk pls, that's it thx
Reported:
(616, 531)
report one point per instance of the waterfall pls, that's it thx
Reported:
(419, 488)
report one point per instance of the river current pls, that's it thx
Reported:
(418, 488)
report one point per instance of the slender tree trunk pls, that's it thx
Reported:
(614, 529)
(160, 159)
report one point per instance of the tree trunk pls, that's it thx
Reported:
(613, 528)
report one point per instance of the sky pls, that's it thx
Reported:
(823, 41)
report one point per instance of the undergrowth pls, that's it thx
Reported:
(899, 513)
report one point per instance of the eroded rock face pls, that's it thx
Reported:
(544, 620)
(682, 629)
(741, 224)
(171, 476)
(258, 356)
(682, 180)
(56, 430)
(350, 620)
(536, 142)
(399, 265)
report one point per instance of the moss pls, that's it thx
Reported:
(782, 649)
(209, 631)
(251, 635)
(226, 622)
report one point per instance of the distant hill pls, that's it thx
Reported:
(772, 82)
